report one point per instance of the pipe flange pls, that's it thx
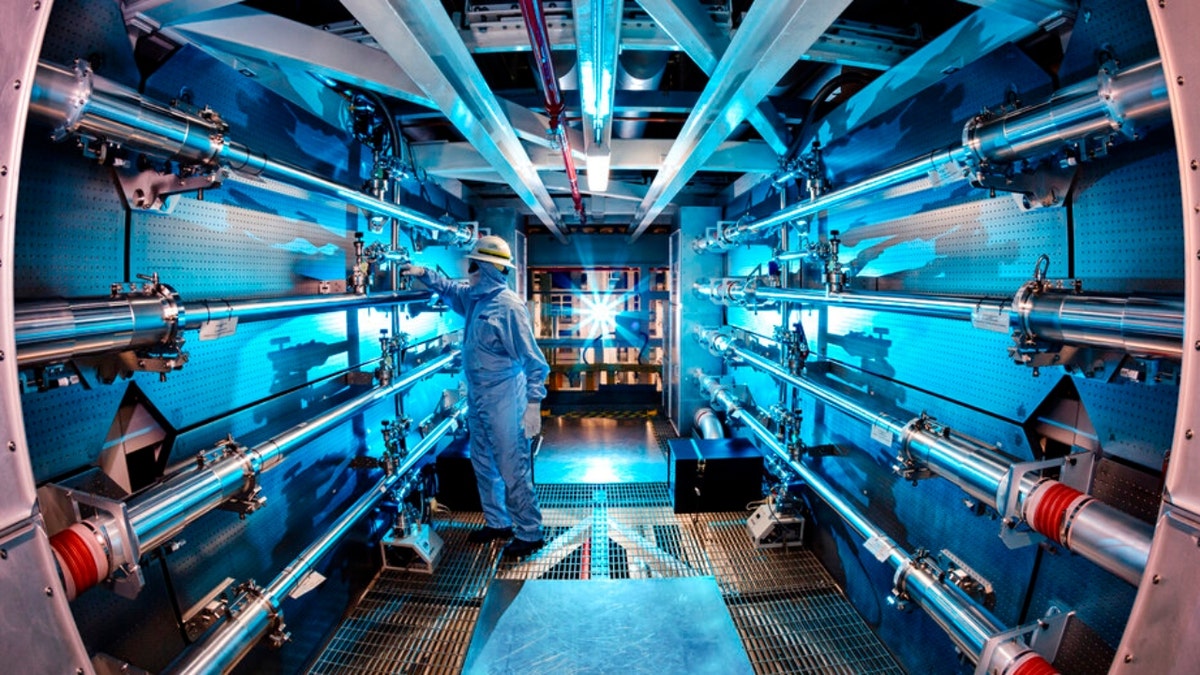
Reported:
(77, 100)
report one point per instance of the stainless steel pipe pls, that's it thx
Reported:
(967, 624)
(226, 647)
(1139, 326)
(77, 102)
(937, 306)
(707, 425)
(1149, 327)
(165, 510)
(163, 513)
(52, 331)
(1107, 104)
(1106, 536)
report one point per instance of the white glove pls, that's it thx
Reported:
(412, 270)
(532, 421)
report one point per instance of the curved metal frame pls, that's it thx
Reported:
(1156, 638)
(49, 641)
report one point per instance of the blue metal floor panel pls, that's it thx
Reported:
(677, 625)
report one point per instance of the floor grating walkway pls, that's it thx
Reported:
(791, 616)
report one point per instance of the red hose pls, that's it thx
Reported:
(1035, 665)
(1051, 510)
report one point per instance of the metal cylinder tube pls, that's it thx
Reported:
(637, 71)
(1149, 327)
(1109, 538)
(246, 311)
(165, 511)
(229, 643)
(1138, 326)
(978, 469)
(968, 625)
(49, 331)
(52, 331)
(937, 306)
(78, 102)
(1112, 539)
(920, 167)
(1104, 105)
(271, 452)
(1100, 106)
(707, 424)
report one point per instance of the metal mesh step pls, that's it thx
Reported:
(790, 614)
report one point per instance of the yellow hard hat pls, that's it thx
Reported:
(494, 250)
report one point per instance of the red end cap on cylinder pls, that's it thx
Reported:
(80, 557)
(1034, 665)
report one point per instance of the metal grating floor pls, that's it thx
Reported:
(790, 614)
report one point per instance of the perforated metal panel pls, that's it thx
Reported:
(983, 245)
(1107, 29)
(1066, 580)
(66, 427)
(65, 198)
(1128, 234)
(92, 30)
(259, 360)
(210, 250)
(937, 355)
(1132, 421)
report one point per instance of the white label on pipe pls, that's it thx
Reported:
(219, 328)
(308, 583)
(989, 318)
(882, 435)
(880, 547)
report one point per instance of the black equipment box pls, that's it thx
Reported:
(723, 474)
(457, 488)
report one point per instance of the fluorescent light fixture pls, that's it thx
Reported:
(597, 34)
(598, 161)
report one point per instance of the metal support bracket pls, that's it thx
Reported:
(127, 579)
(1044, 637)
(1012, 530)
(153, 190)
(969, 580)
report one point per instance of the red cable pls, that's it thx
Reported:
(77, 557)
(1052, 510)
(539, 41)
(585, 560)
(1035, 666)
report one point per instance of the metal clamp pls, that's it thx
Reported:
(250, 498)
(907, 467)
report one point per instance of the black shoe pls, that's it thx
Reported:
(483, 536)
(519, 548)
